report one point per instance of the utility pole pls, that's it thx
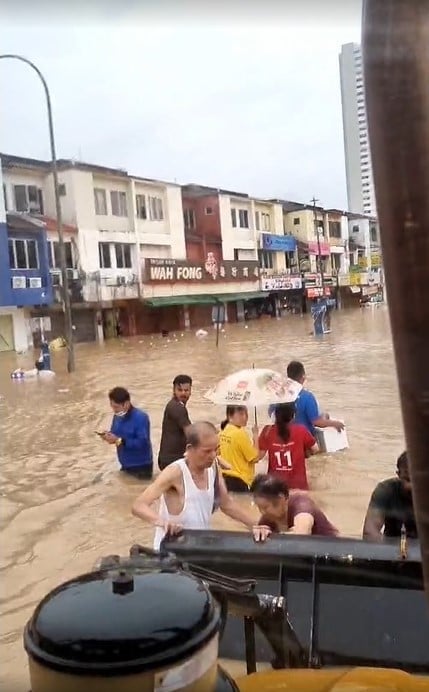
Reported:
(68, 322)
(319, 249)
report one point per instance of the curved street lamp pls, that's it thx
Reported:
(68, 322)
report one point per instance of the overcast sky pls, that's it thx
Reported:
(242, 96)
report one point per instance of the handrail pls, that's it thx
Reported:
(396, 70)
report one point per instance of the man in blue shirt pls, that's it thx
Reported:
(130, 432)
(307, 408)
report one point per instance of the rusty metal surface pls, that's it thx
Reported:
(396, 68)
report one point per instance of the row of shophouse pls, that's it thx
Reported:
(147, 256)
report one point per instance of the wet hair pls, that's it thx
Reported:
(230, 410)
(269, 486)
(119, 395)
(182, 379)
(402, 462)
(284, 415)
(196, 431)
(295, 370)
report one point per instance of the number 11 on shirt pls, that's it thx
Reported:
(283, 460)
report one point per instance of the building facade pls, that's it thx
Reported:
(360, 184)
(366, 267)
(25, 279)
(112, 222)
(246, 230)
(322, 240)
(148, 256)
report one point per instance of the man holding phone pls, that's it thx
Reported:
(130, 433)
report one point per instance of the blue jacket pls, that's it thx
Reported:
(134, 430)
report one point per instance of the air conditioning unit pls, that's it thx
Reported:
(73, 274)
(35, 282)
(56, 278)
(111, 281)
(19, 282)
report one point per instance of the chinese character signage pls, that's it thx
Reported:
(281, 283)
(278, 243)
(183, 271)
(313, 248)
(375, 259)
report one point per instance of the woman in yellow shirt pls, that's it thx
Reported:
(236, 448)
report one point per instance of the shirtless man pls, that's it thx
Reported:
(190, 489)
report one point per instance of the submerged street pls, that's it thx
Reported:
(64, 502)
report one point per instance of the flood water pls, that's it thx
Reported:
(64, 502)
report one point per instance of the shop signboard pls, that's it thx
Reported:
(313, 248)
(374, 277)
(316, 280)
(278, 243)
(354, 279)
(281, 283)
(369, 290)
(375, 260)
(317, 292)
(212, 270)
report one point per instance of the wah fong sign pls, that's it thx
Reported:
(174, 271)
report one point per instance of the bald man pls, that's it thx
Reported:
(190, 489)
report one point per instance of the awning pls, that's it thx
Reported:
(204, 299)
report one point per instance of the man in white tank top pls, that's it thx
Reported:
(190, 489)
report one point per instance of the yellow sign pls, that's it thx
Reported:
(354, 279)
(375, 260)
(363, 262)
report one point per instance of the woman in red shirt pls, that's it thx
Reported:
(288, 444)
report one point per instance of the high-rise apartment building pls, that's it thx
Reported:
(360, 185)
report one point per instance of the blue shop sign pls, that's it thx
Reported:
(278, 243)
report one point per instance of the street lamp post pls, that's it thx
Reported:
(68, 322)
(319, 249)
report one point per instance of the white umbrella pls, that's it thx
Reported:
(254, 387)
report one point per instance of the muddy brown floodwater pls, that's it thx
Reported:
(64, 503)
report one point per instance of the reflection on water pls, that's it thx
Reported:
(64, 503)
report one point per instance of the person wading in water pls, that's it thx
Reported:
(174, 422)
(288, 444)
(190, 489)
(236, 448)
(391, 506)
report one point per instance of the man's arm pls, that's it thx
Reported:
(179, 413)
(322, 422)
(232, 509)
(319, 421)
(167, 479)
(375, 515)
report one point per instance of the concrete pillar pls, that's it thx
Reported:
(240, 310)
(99, 335)
(186, 317)
(225, 305)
